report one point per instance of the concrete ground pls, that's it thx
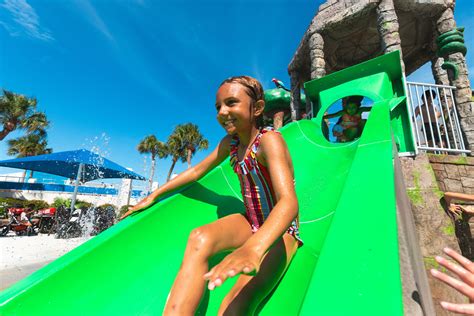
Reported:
(22, 255)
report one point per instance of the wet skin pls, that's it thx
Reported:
(236, 114)
(463, 269)
(259, 259)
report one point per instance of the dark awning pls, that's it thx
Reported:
(66, 164)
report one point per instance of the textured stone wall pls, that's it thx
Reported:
(453, 173)
(462, 94)
(388, 27)
(435, 228)
(456, 174)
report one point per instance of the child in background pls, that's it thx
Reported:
(266, 238)
(430, 116)
(350, 124)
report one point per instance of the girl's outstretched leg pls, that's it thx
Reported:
(351, 133)
(228, 232)
(249, 291)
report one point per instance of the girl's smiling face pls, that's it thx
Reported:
(233, 106)
(352, 108)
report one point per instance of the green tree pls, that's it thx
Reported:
(19, 111)
(175, 150)
(183, 143)
(28, 145)
(151, 145)
(58, 202)
(193, 141)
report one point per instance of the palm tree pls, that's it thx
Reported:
(29, 145)
(151, 145)
(184, 142)
(19, 111)
(193, 140)
(175, 150)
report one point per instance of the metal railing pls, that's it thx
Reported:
(434, 118)
(11, 178)
(50, 184)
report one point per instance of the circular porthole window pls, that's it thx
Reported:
(345, 119)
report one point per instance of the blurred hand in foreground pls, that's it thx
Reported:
(464, 270)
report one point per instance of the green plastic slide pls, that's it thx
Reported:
(348, 265)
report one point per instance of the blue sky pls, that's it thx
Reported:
(108, 73)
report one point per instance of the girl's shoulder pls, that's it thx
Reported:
(268, 132)
(269, 137)
(272, 145)
(227, 139)
(224, 146)
(264, 133)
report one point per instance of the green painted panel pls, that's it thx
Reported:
(359, 260)
(348, 265)
(379, 79)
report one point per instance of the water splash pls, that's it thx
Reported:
(99, 145)
(87, 222)
(146, 168)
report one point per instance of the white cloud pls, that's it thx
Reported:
(23, 20)
(257, 72)
(94, 18)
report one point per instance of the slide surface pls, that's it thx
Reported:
(348, 265)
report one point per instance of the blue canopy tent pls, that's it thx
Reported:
(81, 165)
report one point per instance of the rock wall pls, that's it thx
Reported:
(456, 174)
(453, 173)
(435, 228)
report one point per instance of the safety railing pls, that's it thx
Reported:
(434, 118)
(9, 178)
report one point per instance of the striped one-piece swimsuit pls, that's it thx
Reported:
(256, 186)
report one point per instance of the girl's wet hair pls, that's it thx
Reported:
(357, 99)
(254, 90)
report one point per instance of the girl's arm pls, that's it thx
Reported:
(364, 109)
(417, 111)
(276, 157)
(328, 116)
(274, 154)
(219, 154)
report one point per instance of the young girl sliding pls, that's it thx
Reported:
(266, 237)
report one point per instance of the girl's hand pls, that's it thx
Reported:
(218, 155)
(465, 272)
(140, 206)
(243, 260)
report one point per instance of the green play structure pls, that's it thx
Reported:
(348, 265)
